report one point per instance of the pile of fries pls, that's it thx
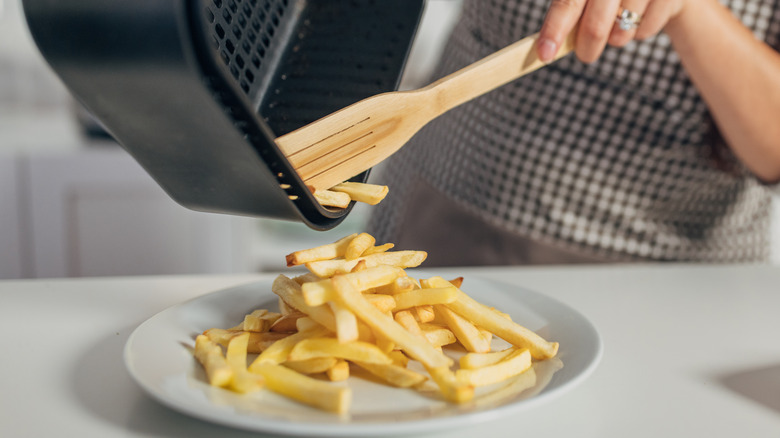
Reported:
(357, 308)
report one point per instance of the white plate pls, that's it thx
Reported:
(158, 357)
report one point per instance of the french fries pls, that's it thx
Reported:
(208, 353)
(425, 297)
(394, 374)
(314, 365)
(510, 366)
(316, 293)
(479, 360)
(260, 320)
(400, 259)
(359, 245)
(342, 194)
(467, 333)
(243, 381)
(379, 248)
(324, 252)
(358, 306)
(304, 389)
(485, 317)
(371, 194)
(329, 198)
(330, 347)
(346, 323)
(257, 341)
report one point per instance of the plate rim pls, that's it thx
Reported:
(290, 428)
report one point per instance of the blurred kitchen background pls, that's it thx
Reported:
(72, 203)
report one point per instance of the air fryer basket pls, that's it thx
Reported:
(197, 90)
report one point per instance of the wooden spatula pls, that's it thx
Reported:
(351, 140)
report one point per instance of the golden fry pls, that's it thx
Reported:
(305, 324)
(400, 259)
(280, 350)
(314, 365)
(479, 360)
(284, 308)
(329, 198)
(394, 374)
(339, 371)
(260, 320)
(322, 291)
(414, 346)
(305, 278)
(291, 292)
(371, 194)
(324, 252)
(359, 245)
(243, 381)
(427, 296)
(468, 335)
(378, 249)
(346, 323)
(399, 358)
(406, 320)
(287, 323)
(235, 355)
(360, 266)
(438, 336)
(400, 284)
(384, 303)
(457, 282)
(424, 313)
(209, 354)
(257, 341)
(330, 347)
(323, 395)
(451, 388)
(514, 364)
(505, 329)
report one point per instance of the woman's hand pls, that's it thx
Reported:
(598, 26)
(736, 74)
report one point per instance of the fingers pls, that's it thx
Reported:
(619, 37)
(595, 19)
(596, 25)
(655, 17)
(595, 28)
(559, 22)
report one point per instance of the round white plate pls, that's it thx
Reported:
(158, 356)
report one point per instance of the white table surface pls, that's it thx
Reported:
(690, 351)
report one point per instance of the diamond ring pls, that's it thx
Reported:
(628, 20)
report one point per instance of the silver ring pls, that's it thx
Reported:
(628, 20)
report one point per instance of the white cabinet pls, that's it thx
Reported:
(10, 226)
(96, 212)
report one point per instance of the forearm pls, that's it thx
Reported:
(738, 77)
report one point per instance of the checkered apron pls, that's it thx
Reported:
(617, 160)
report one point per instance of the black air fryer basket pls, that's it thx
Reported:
(197, 90)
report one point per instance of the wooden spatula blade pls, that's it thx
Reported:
(356, 138)
(352, 140)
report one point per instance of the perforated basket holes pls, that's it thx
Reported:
(297, 61)
(342, 51)
(243, 32)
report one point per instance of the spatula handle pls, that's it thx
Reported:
(490, 73)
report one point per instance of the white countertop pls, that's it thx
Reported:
(689, 351)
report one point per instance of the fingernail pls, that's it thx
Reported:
(547, 50)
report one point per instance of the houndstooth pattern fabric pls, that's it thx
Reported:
(613, 159)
